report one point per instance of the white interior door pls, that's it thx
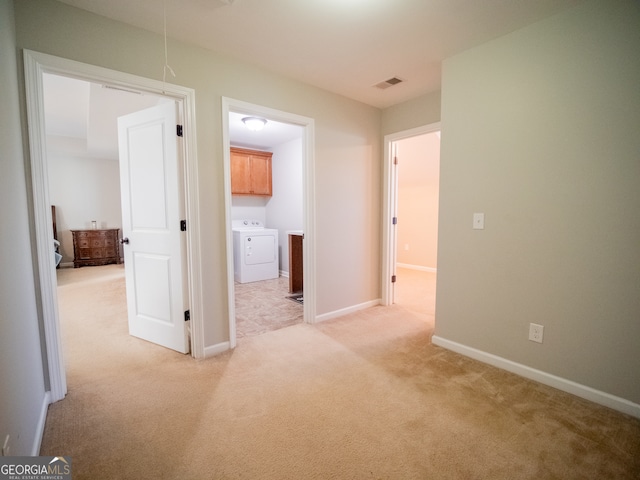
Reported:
(151, 213)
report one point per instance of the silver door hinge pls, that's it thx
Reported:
(394, 221)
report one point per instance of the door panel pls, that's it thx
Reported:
(261, 175)
(152, 300)
(147, 177)
(151, 212)
(240, 173)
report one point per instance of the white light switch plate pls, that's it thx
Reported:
(478, 221)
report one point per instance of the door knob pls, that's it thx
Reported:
(124, 240)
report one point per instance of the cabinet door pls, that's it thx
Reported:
(250, 172)
(261, 175)
(240, 173)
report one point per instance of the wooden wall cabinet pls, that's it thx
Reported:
(95, 247)
(250, 172)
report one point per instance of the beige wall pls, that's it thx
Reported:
(347, 142)
(82, 189)
(540, 132)
(417, 112)
(22, 382)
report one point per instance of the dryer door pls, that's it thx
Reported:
(259, 249)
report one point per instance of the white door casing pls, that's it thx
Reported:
(151, 214)
(309, 260)
(389, 208)
(35, 65)
(394, 223)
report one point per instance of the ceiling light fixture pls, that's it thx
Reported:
(254, 123)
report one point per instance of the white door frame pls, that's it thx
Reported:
(308, 172)
(390, 196)
(35, 65)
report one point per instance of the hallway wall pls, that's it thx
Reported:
(540, 132)
(23, 400)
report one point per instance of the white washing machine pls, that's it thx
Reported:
(255, 251)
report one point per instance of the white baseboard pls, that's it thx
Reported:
(66, 264)
(588, 393)
(345, 311)
(284, 274)
(37, 441)
(216, 349)
(417, 267)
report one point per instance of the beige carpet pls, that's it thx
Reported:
(365, 396)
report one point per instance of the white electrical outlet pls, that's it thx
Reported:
(536, 332)
(6, 449)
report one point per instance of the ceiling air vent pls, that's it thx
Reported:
(389, 83)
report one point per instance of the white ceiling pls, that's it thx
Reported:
(87, 113)
(344, 46)
(273, 134)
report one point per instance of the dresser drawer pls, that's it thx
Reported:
(97, 242)
(84, 253)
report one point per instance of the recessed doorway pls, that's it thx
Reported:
(412, 176)
(290, 207)
(36, 66)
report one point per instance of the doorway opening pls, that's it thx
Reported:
(412, 160)
(38, 65)
(259, 294)
(88, 175)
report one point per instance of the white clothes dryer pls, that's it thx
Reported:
(255, 251)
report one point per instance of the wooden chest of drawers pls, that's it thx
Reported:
(95, 247)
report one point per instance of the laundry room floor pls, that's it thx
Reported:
(264, 306)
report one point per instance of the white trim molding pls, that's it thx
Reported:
(389, 197)
(37, 441)
(217, 349)
(582, 391)
(345, 311)
(417, 267)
